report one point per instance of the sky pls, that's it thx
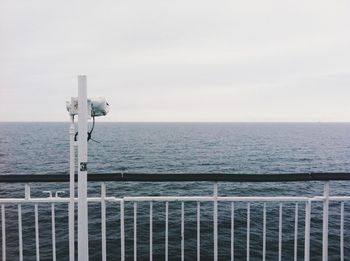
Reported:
(182, 61)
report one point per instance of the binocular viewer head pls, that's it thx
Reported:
(96, 106)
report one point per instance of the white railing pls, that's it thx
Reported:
(130, 251)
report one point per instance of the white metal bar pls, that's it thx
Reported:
(198, 231)
(3, 227)
(166, 229)
(37, 200)
(264, 232)
(232, 231)
(240, 199)
(223, 199)
(103, 221)
(280, 233)
(83, 241)
(220, 199)
(296, 232)
(53, 228)
(37, 243)
(71, 213)
(26, 191)
(182, 231)
(20, 237)
(339, 198)
(122, 232)
(135, 231)
(215, 221)
(56, 200)
(173, 199)
(248, 231)
(151, 231)
(342, 231)
(307, 231)
(325, 222)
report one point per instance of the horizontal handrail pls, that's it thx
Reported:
(41, 200)
(176, 177)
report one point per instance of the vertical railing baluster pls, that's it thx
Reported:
(26, 191)
(53, 229)
(135, 231)
(103, 221)
(280, 233)
(37, 243)
(20, 237)
(248, 231)
(296, 232)
(264, 233)
(342, 231)
(215, 221)
(166, 229)
(307, 230)
(325, 222)
(151, 231)
(232, 231)
(3, 227)
(182, 231)
(122, 231)
(198, 231)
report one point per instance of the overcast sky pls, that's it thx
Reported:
(183, 60)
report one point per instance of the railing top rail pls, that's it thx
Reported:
(177, 177)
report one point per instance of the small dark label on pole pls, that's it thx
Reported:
(83, 166)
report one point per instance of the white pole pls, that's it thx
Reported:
(103, 221)
(71, 187)
(215, 221)
(307, 231)
(83, 242)
(341, 231)
(325, 222)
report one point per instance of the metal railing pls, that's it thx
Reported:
(234, 220)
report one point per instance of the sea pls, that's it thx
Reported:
(245, 148)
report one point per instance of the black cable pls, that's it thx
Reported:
(93, 124)
(89, 133)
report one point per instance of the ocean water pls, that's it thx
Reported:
(43, 148)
